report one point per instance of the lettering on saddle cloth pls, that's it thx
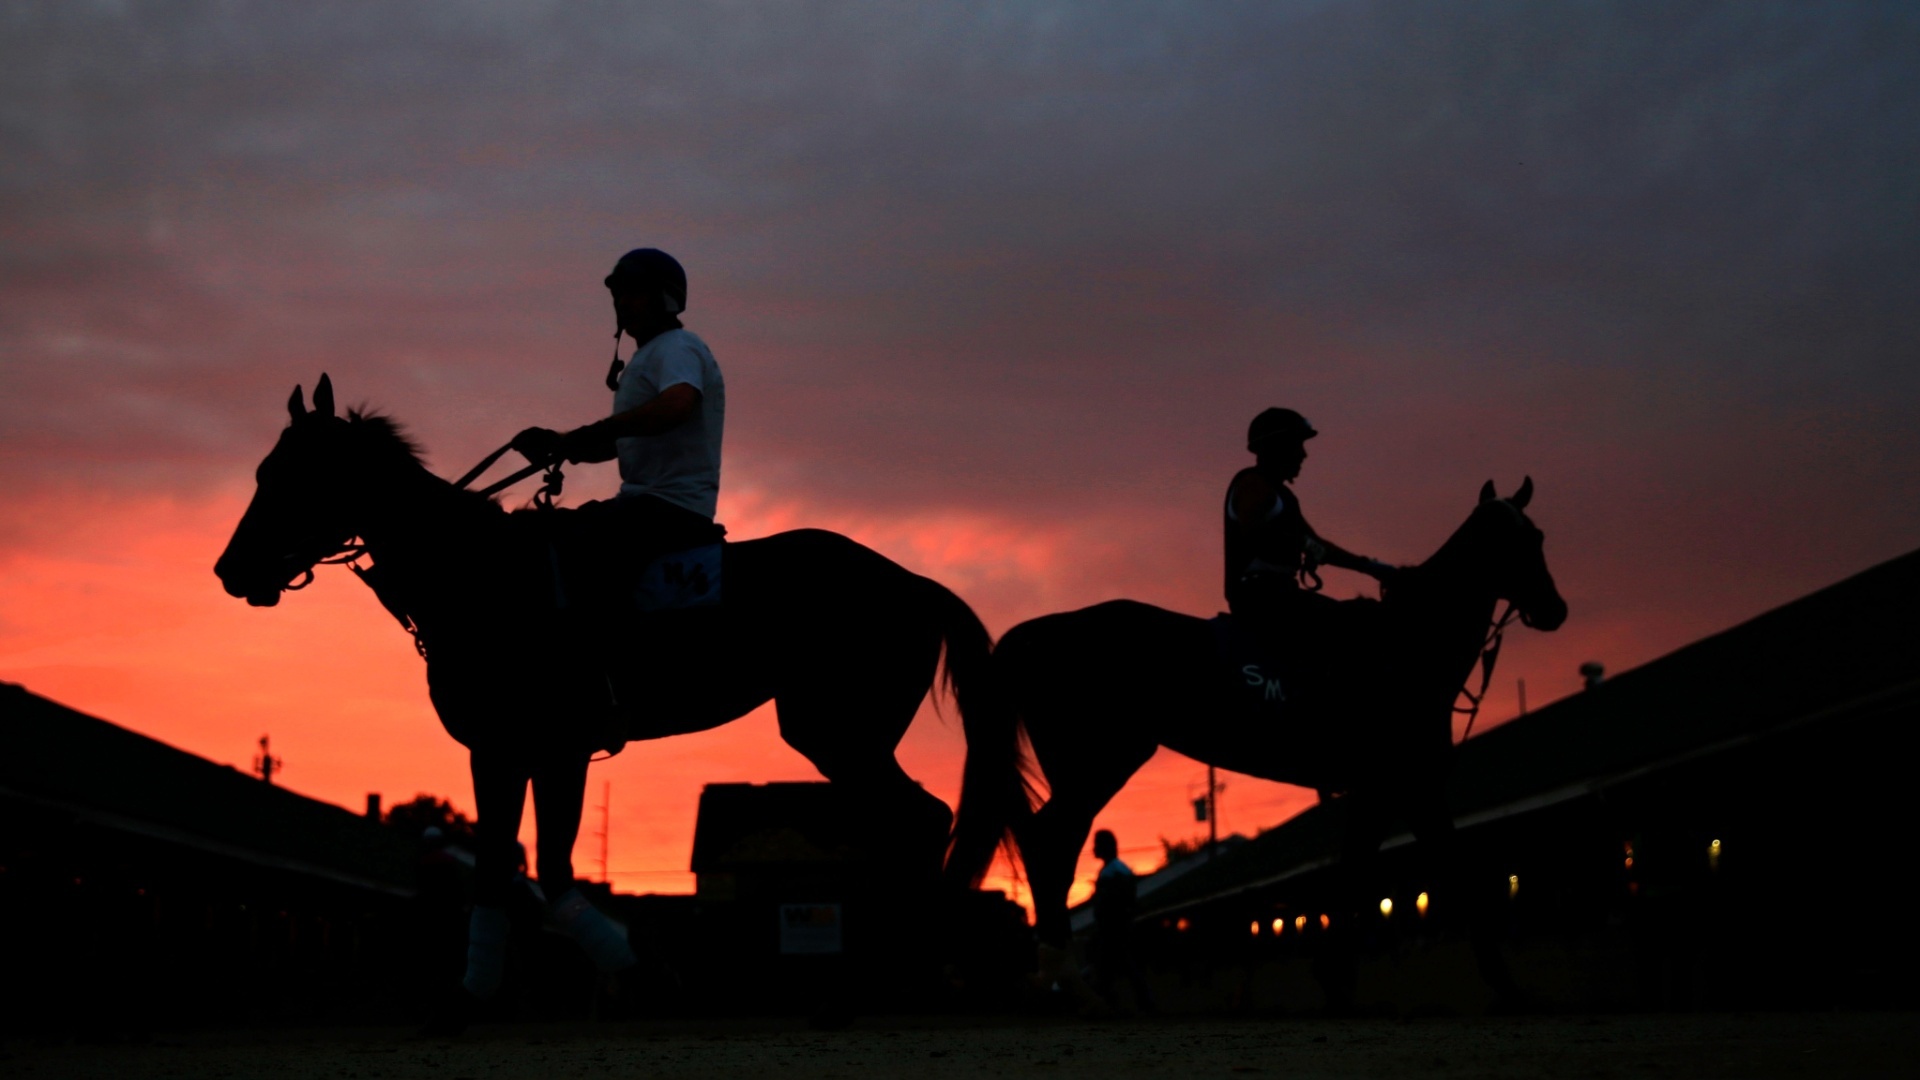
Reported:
(681, 579)
(1258, 678)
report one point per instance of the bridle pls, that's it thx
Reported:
(350, 553)
(1489, 652)
(1489, 656)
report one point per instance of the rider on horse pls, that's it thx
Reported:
(1272, 553)
(669, 408)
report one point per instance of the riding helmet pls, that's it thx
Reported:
(651, 268)
(1278, 425)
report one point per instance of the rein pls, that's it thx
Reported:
(1489, 656)
(543, 498)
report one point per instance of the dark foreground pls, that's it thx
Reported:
(1751, 1045)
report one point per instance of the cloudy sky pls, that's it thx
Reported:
(996, 289)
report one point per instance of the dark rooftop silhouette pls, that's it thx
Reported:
(99, 772)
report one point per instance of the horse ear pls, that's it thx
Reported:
(1486, 492)
(296, 405)
(323, 396)
(1525, 495)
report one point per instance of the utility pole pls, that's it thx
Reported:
(1523, 697)
(1213, 814)
(606, 801)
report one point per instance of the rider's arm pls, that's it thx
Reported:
(595, 442)
(1333, 554)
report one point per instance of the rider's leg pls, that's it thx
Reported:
(499, 796)
(559, 791)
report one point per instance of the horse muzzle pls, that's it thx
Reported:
(250, 587)
(1547, 616)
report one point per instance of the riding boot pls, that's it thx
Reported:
(486, 951)
(604, 940)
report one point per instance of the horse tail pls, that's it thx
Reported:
(996, 787)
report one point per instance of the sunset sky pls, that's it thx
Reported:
(996, 289)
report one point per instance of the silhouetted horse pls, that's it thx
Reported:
(1097, 691)
(846, 642)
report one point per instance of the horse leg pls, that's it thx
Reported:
(906, 826)
(499, 798)
(848, 724)
(1080, 786)
(1362, 829)
(559, 792)
(1475, 890)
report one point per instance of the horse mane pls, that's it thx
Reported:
(384, 436)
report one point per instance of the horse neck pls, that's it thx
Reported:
(1453, 599)
(417, 525)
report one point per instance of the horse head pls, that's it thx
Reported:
(1514, 556)
(302, 501)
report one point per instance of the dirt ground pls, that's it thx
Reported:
(1755, 1045)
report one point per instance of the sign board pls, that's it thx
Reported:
(809, 929)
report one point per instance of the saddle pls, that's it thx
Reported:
(675, 581)
(611, 562)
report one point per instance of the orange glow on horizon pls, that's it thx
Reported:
(112, 608)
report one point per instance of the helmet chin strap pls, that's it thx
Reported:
(613, 372)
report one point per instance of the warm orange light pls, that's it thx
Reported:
(1713, 855)
(1386, 907)
(1326, 921)
(1254, 928)
(1513, 886)
(1629, 862)
(1278, 926)
(1300, 924)
(1420, 904)
(1182, 925)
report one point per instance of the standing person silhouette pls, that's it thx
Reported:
(1115, 903)
(1272, 554)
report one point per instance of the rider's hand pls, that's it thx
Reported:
(594, 442)
(540, 446)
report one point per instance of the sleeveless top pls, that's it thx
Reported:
(1272, 549)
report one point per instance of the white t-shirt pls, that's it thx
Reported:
(681, 466)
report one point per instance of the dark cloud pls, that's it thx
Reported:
(1037, 260)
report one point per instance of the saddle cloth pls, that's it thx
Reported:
(676, 581)
(1280, 670)
(1256, 678)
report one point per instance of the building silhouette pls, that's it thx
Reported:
(140, 883)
